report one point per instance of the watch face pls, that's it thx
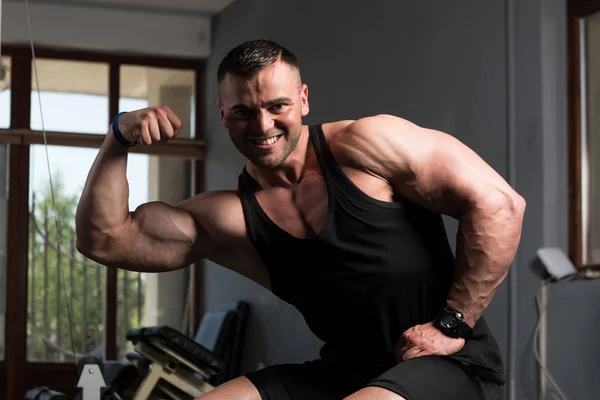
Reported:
(449, 321)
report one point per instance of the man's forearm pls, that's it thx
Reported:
(487, 240)
(103, 205)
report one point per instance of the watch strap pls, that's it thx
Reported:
(463, 330)
(460, 330)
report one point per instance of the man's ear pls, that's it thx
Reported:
(304, 99)
(221, 113)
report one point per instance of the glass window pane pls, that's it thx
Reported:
(5, 76)
(5, 73)
(148, 86)
(48, 325)
(591, 131)
(3, 234)
(74, 96)
(154, 299)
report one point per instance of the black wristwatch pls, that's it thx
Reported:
(451, 323)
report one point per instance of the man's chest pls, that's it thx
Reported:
(300, 210)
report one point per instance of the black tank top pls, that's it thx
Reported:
(376, 269)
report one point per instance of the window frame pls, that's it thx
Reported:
(577, 11)
(20, 137)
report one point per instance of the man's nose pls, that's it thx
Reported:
(264, 121)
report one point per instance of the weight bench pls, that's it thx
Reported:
(182, 367)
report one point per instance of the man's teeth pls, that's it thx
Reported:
(265, 142)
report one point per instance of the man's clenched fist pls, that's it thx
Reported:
(150, 125)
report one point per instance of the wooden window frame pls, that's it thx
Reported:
(577, 11)
(16, 374)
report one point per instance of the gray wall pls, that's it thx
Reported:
(472, 69)
(573, 355)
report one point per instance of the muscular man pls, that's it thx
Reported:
(341, 219)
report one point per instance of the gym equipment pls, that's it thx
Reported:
(182, 367)
(118, 375)
(44, 393)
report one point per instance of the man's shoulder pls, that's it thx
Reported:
(365, 127)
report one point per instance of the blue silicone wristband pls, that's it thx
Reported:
(120, 138)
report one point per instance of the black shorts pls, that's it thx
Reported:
(421, 378)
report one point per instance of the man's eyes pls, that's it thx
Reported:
(242, 113)
(278, 107)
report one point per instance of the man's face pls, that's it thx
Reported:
(264, 113)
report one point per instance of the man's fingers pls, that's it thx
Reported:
(413, 352)
(166, 129)
(150, 125)
(423, 340)
(404, 337)
(173, 119)
(407, 334)
(407, 346)
(155, 132)
(145, 133)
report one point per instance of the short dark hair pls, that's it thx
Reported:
(248, 58)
